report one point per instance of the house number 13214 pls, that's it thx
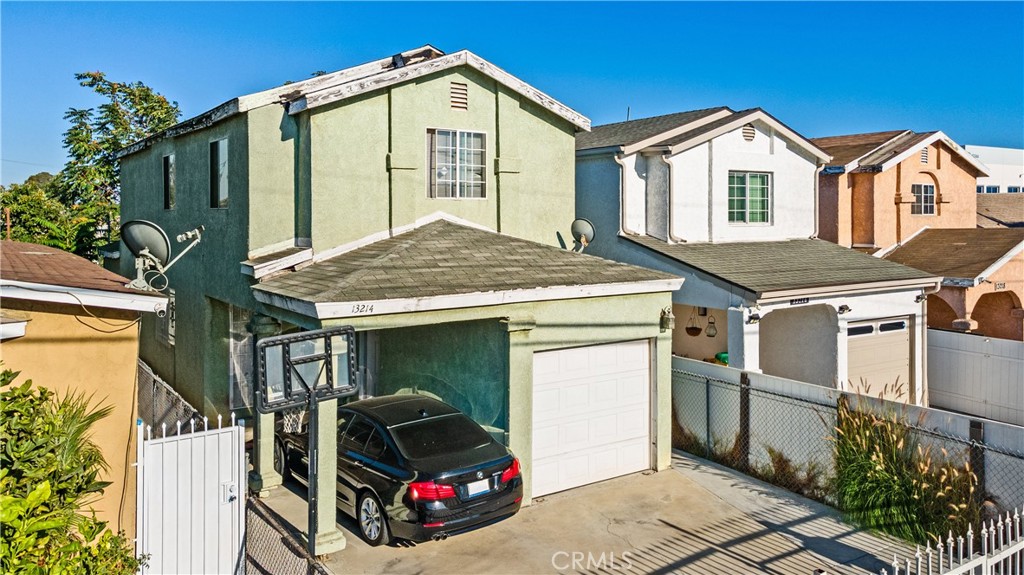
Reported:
(362, 308)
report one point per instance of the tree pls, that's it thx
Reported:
(38, 217)
(91, 178)
(48, 475)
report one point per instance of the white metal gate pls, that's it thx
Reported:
(190, 516)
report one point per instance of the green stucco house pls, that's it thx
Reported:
(424, 199)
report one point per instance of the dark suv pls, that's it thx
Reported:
(413, 467)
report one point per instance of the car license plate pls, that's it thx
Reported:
(478, 487)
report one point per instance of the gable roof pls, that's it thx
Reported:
(879, 151)
(684, 130)
(349, 82)
(786, 269)
(960, 253)
(1000, 210)
(36, 272)
(443, 265)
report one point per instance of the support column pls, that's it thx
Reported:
(328, 538)
(744, 339)
(263, 478)
(842, 355)
(520, 396)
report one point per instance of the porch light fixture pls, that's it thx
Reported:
(668, 321)
(712, 329)
(754, 318)
(920, 298)
(844, 309)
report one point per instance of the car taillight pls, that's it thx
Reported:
(511, 472)
(430, 491)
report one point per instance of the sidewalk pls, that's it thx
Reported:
(695, 518)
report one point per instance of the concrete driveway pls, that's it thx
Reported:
(695, 518)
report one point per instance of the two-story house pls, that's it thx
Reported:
(727, 200)
(880, 189)
(423, 199)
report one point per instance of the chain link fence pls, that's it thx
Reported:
(784, 432)
(272, 548)
(160, 405)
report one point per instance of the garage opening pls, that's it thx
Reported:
(591, 414)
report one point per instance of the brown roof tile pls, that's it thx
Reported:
(957, 252)
(34, 263)
(443, 258)
(845, 149)
(1000, 210)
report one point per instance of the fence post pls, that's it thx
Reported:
(707, 418)
(744, 438)
(977, 458)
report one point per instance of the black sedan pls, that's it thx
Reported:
(414, 468)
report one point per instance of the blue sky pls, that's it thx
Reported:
(822, 68)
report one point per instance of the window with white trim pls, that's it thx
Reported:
(980, 189)
(991, 189)
(924, 200)
(457, 164)
(750, 197)
(1013, 189)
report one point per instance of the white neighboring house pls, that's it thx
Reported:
(727, 200)
(1006, 167)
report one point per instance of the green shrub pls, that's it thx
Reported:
(887, 480)
(48, 478)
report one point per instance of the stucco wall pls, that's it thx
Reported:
(68, 351)
(801, 344)
(828, 207)
(699, 346)
(792, 187)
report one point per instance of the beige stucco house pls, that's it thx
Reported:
(881, 188)
(72, 327)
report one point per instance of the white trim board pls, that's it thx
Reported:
(740, 119)
(86, 297)
(344, 309)
(982, 169)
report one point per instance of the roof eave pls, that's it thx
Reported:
(820, 155)
(81, 296)
(939, 135)
(344, 309)
(849, 289)
(602, 151)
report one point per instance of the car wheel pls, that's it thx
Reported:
(280, 465)
(373, 524)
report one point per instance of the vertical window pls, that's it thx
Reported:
(219, 174)
(991, 189)
(457, 164)
(924, 200)
(749, 197)
(168, 171)
(979, 189)
(1013, 189)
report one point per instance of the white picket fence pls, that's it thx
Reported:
(1002, 552)
(190, 515)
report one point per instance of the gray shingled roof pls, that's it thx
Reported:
(763, 267)
(845, 149)
(957, 253)
(443, 258)
(680, 138)
(633, 131)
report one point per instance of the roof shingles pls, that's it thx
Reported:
(962, 253)
(37, 264)
(443, 258)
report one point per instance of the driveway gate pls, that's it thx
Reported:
(190, 516)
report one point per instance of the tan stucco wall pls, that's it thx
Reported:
(66, 350)
(876, 219)
(990, 311)
(700, 346)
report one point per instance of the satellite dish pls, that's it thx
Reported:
(583, 232)
(141, 236)
(152, 250)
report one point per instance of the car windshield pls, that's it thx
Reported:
(439, 436)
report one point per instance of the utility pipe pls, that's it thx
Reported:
(623, 228)
(671, 200)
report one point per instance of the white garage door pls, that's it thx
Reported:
(591, 414)
(879, 356)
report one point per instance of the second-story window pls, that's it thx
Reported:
(991, 189)
(219, 174)
(457, 164)
(924, 200)
(168, 173)
(750, 197)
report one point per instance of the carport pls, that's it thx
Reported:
(503, 329)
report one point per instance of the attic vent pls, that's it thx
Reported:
(749, 132)
(924, 155)
(460, 96)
